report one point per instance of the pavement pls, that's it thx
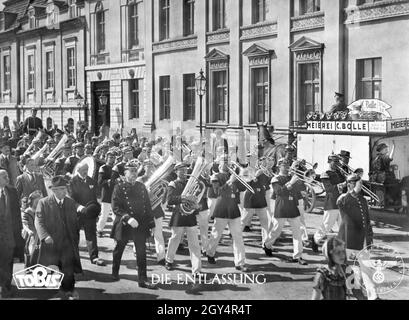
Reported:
(282, 280)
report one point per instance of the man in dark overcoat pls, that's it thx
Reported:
(10, 232)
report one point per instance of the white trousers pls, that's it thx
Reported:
(263, 217)
(328, 221)
(106, 210)
(278, 226)
(238, 243)
(203, 222)
(159, 240)
(193, 243)
(302, 220)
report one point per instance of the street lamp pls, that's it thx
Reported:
(201, 91)
(103, 101)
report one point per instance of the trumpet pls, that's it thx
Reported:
(238, 177)
(365, 189)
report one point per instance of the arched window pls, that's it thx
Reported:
(100, 26)
(6, 122)
(49, 123)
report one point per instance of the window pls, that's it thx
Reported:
(259, 94)
(369, 82)
(164, 85)
(100, 27)
(164, 19)
(259, 11)
(72, 9)
(134, 99)
(189, 97)
(32, 21)
(7, 72)
(219, 14)
(310, 96)
(220, 96)
(71, 68)
(309, 6)
(52, 15)
(49, 62)
(188, 17)
(360, 2)
(31, 72)
(2, 26)
(133, 12)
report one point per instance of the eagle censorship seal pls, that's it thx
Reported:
(382, 265)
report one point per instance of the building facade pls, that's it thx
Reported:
(42, 60)
(264, 60)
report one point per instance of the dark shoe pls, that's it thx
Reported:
(247, 229)
(211, 260)
(115, 276)
(147, 285)
(100, 234)
(300, 261)
(162, 262)
(314, 246)
(98, 262)
(242, 269)
(169, 266)
(268, 252)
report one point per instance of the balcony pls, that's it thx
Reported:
(259, 30)
(308, 21)
(219, 36)
(377, 10)
(100, 58)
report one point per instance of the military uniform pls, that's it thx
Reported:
(331, 180)
(131, 201)
(286, 209)
(227, 212)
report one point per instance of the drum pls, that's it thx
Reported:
(92, 166)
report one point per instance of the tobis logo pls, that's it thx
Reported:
(38, 277)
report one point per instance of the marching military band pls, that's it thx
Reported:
(136, 181)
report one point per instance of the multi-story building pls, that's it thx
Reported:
(42, 45)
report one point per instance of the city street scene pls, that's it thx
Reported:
(204, 150)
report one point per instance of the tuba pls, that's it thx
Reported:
(48, 169)
(38, 138)
(194, 188)
(157, 185)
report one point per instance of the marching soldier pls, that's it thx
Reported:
(181, 224)
(286, 209)
(133, 221)
(333, 182)
(106, 185)
(72, 161)
(227, 212)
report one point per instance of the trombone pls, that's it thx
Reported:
(238, 177)
(307, 180)
(366, 190)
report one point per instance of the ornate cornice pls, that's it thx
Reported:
(176, 44)
(259, 30)
(308, 21)
(377, 10)
(311, 55)
(219, 36)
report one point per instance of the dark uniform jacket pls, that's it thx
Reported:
(131, 201)
(25, 185)
(10, 224)
(174, 199)
(286, 204)
(257, 200)
(356, 225)
(331, 179)
(32, 124)
(70, 163)
(105, 183)
(62, 226)
(83, 192)
(228, 198)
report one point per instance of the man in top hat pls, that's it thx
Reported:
(57, 227)
(10, 232)
(133, 221)
(32, 124)
(106, 184)
(227, 212)
(180, 223)
(83, 190)
(72, 161)
(340, 105)
(119, 169)
(334, 182)
(286, 209)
